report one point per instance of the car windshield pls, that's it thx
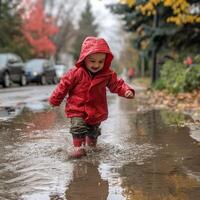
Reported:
(3, 60)
(35, 65)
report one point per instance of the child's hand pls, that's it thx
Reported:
(129, 94)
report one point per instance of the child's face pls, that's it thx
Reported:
(95, 62)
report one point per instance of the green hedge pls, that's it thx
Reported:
(192, 78)
(178, 77)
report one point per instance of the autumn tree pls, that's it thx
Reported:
(38, 29)
(148, 37)
(160, 25)
(182, 10)
(87, 27)
(184, 14)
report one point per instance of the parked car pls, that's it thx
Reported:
(11, 70)
(60, 70)
(40, 71)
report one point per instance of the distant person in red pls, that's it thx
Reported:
(85, 87)
(130, 74)
(188, 61)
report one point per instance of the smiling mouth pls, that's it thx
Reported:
(94, 68)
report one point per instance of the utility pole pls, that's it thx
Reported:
(0, 8)
(154, 51)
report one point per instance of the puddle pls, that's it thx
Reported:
(143, 155)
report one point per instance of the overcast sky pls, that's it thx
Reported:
(110, 26)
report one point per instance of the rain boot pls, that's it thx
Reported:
(79, 150)
(91, 143)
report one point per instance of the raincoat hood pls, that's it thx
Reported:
(93, 45)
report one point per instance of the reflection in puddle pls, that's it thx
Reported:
(36, 106)
(9, 113)
(144, 155)
(195, 132)
(87, 183)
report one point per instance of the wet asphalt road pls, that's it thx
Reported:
(143, 154)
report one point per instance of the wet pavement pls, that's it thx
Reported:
(143, 154)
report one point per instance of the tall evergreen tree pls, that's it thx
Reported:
(87, 27)
(11, 36)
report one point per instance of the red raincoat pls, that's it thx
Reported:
(86, 94)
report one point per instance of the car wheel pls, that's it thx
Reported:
(23, 80)
(6, 80)
(43, 80)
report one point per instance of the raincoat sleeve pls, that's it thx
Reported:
(66, 83)
(118, 86)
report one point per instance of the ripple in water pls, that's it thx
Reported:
(119, 155)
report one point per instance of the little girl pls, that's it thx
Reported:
(85, 86)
